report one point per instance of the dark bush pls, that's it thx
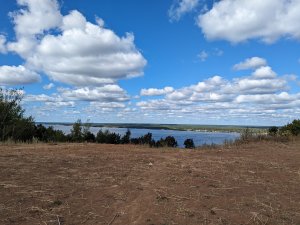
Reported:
(126, 138)
(171, 142)
(108, 137)
(146, 139)
(100, 138)
(273, 131)
(291, 128)
(49, 134)
(189, 143)
(13, 124)
(89, 137)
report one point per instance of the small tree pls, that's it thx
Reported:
(246, 135)
(89, 137)
(171, 142)
(13, 123)
(86, 133)
(126, 138)
(147, 138)
(273, 131)
(76, 131)
(86, 127)
(100, 138)
(189, 143)
(292, 128)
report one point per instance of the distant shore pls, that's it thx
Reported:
(178, 127)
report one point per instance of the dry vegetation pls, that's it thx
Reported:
(254, 183)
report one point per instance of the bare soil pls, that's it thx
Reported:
(254, 183)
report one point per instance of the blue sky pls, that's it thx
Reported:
(171, 61)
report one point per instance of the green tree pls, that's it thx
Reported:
(292, 128)
(171, 142)
(100, 138)
(189, 143)
(273, 131)
(126, 138)
(13, 123)
(76, 131)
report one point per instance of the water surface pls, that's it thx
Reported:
(199, 137)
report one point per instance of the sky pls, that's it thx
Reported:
(229, 62)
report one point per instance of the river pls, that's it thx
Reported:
(199, 137)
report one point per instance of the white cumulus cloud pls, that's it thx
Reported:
(262, 95)
(107, 93)
(264, 72)
(16, 75)
(33, 19)
(155, 91)
(241, 20)
(250, 63)
(79, 52)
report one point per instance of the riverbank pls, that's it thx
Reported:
(176, 127)
(254, 183)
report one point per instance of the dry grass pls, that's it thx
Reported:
(254, 183)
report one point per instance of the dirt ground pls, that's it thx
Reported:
(255, 183)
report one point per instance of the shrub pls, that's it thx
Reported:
(108, 137)
(100, 138)
(169, 141)
(13, 124)
(89, 137)
(146, 139)
(76, 131)
(291, 128)
(246, 135)
(189, 143)
(273, 131)
(49, 134)
(126, 138)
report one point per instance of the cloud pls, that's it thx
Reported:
(238, 21)
(106, 105)
(250, 63)
(262, 95)
(264, 72)
(203, 55)
(2, 44)
(42, 98)
(283, 97)
(181, 7)
(155, 91)
(48, 86)
(60, 104)
(16, 75)
(30, 21)
(79, 52)
(107, 93)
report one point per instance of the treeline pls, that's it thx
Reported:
(291, 129)
(15, 126)
(80, 132)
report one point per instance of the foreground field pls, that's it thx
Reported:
(257, 183)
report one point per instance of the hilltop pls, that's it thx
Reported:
(254, 183)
